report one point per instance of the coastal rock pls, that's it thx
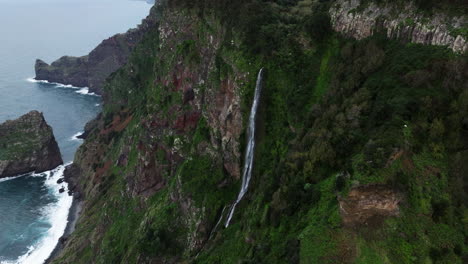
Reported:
(89, 127)
(92, 70)
(27, 144)
(71, 175)
(355, 19)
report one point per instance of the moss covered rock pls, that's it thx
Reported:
(27, 144)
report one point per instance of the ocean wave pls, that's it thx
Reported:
(85, 91)
(58, 85)
(17, 176)
(37, 81)
(56, 215)
(81, 90)
(10, 178)
(75, 137)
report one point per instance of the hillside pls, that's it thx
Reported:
(361, 145)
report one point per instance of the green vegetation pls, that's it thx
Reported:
(375, 110)
(20, 140)
(16, 145)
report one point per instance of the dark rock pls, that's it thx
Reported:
(62, 190)
(92, 70)
(89, 127)
(27, 144)
(465, 123)
(71, 174)
(189, 95)
(61, 180)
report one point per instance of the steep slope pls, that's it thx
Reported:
(27, 144)
(360, 153)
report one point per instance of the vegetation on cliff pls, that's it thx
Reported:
(361, 153)
(27, 144)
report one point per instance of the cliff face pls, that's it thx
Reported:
(185, 136)
(359, 20)
(354, 161)
(93, 69)
(27, 144)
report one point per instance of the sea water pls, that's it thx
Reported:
(33, 214)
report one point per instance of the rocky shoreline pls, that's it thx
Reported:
(70, 177)
(73, 216)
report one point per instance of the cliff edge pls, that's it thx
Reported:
(92, 70)
(361, 146)
(27, 144)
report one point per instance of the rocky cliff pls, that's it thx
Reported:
(360, 150)
(361, 19)
(27, 144)
(92, 70)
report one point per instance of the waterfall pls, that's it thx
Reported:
(249, 154)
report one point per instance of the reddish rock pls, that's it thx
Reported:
(150, 179)
(187, 121)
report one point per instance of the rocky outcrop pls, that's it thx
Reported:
(92, 70)
(352, 19)
(27, 144)
(368, 205)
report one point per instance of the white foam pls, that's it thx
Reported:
(76, 136)
(56, 214)
(14, 177)
(66, 86)
(97, 105)
(85, 91)
(58, 85)
(37, 81)
(9, 178)
(81, 90)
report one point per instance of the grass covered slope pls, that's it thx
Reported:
(361, 153)
(392, 115)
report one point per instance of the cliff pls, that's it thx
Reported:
(27, 144)
(361, 19)
(360, 145)
(92, 70)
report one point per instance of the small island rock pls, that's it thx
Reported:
(27, 144)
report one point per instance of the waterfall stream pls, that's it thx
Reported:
(249, 154)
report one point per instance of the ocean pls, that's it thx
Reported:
(33, 214)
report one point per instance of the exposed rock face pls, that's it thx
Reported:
(368, 205)
(356, 22)
(152, 159)
(27, 144)
(71, 175)
(93, 69)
